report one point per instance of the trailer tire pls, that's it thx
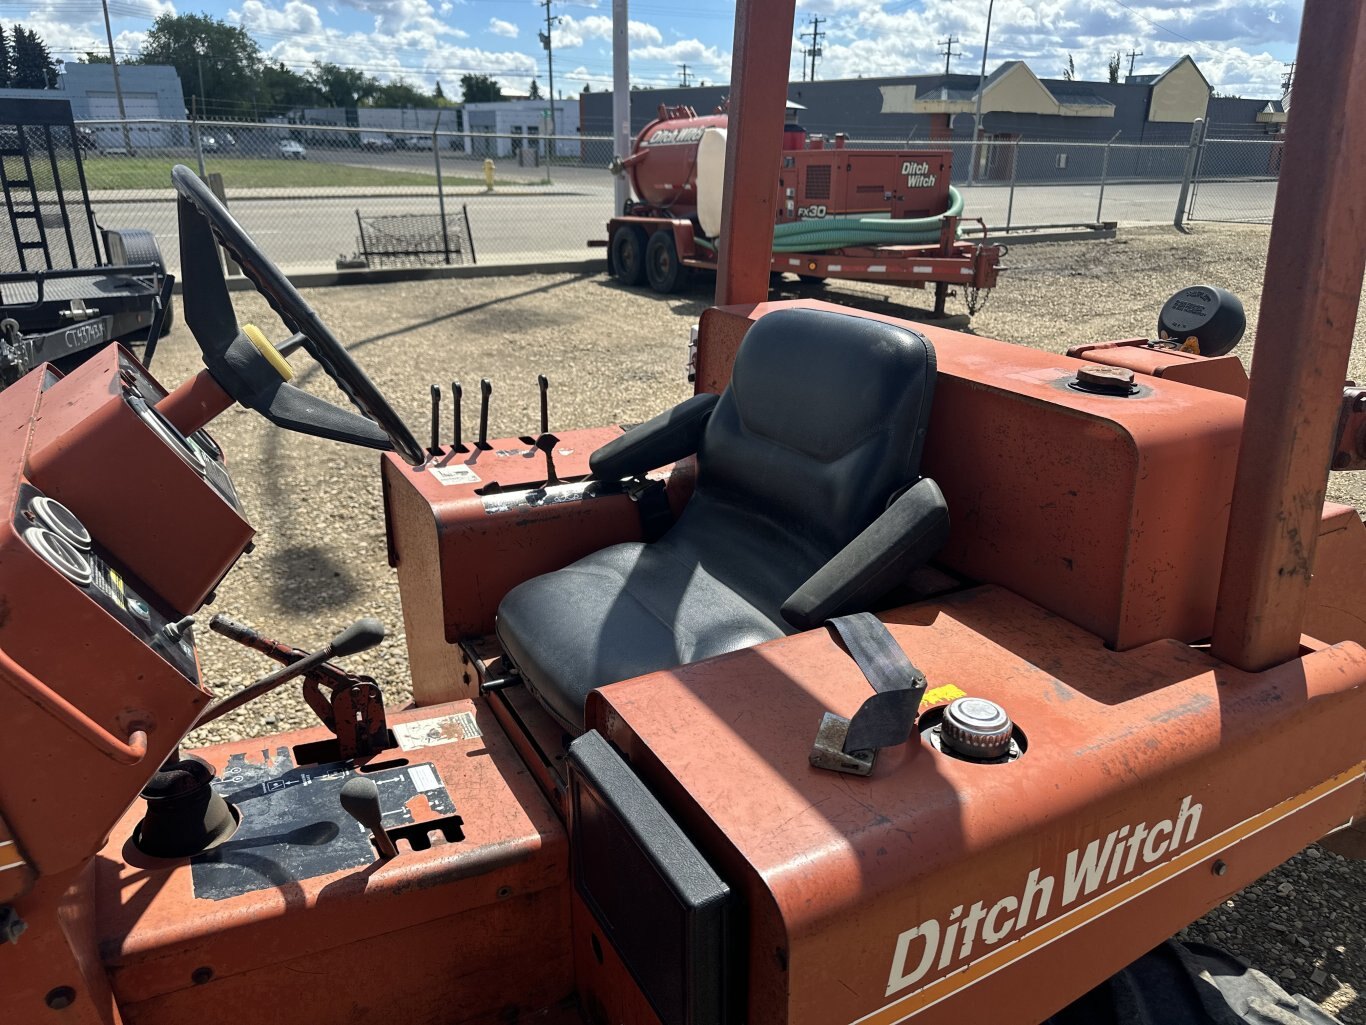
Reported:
(662, 267)
(627, 255)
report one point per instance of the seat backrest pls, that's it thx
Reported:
(823, 421)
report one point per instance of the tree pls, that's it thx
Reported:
(283, 87)
(91, 57)
(6, 75)
(203, 49)
(534, 93)
(1069, 73)
(31, 66)
(1113, 68)
(399, 93)
(438, 95)
(480, 89)
(587, 88)
(342, 87)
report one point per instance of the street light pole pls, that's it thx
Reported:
(981, 84)
(118, 90)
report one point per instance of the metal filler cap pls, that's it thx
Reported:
(977, 728)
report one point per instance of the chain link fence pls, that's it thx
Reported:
(306, 192)
(1235, 180)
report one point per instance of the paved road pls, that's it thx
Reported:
(309, 233)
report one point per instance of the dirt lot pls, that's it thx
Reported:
(617, 355)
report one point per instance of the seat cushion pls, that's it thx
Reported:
(618, 613)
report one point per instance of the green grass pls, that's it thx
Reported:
(116, 172)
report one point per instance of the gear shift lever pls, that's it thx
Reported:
(360, 800)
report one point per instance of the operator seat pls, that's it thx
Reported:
(808, 504)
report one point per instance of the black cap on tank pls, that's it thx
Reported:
(1213, 317)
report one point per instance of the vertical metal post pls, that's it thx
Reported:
(1197, 131)
(440, 190)
(621, 95)
(754, 145)
(1104, 172)
(1314, 269)
(118, 89)
(198, 144)
(981, 84)
(1014, 170)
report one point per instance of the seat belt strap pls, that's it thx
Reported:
(887, 717)
(652, 504)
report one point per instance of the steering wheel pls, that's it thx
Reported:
(243, 361)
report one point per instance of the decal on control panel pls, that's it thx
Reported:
(443, 729)
(457, 474)
(292, 825)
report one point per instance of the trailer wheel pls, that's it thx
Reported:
(661, 263)
(628, 254)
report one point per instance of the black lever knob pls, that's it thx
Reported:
(360, 800)
(485, 391)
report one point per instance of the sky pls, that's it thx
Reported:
(1240, 45)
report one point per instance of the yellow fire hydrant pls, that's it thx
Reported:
(488, 174)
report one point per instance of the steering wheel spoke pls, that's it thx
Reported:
(239, 364)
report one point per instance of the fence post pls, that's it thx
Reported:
(1014, 169)
(1104, 172)
(198, 145)
(440, 190)
(1197, 132)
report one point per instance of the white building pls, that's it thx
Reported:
(521, 125)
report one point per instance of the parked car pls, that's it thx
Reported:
(376, 141)
(422, 142)
(292, 149)
(208, 143)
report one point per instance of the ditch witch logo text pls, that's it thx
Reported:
(965, 937)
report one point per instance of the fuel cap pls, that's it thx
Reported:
(977, 728)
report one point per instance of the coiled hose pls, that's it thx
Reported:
(814, 236)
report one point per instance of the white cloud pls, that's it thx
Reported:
(573, 32)
(499, 27)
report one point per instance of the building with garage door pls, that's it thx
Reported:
(151, 93)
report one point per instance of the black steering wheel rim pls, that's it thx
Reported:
(297, 314)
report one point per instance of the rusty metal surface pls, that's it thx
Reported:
(848, 881)
(758, 102)
(1349, 450)
(1217, 373)
(1336, 607)
(1304, 338)
(477, 924)
(1108, 510)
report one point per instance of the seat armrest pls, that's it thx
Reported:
(673, 434)
(907, 534)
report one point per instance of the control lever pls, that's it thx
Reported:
(546, 442)
(485, 390)
(435, 447)
(544, 383)
(359, 636)
(457, 393)
(360, 800)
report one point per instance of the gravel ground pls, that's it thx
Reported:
(617, 355)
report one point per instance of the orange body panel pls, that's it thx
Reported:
(1102, 509)
(458, 550)
(1337, 594)
(836, 870)
(1217, 373)
(481, 925)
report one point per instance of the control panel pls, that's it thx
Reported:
(63, 542)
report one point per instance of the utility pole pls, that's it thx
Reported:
(683, 68)
(621, 95)
(550, 66)
(1131, 55)
(981, 84)
(118, 90)
(1288, 79)
(948, 53)
(815, 34)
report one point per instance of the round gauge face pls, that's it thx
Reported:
(60, 520)
(164, 429)
(60, 553)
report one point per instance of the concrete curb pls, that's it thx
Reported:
(389, 275)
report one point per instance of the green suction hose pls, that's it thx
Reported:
(815, 236)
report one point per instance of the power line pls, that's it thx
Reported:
(1132, 54)
(814, 50)
(947, 52)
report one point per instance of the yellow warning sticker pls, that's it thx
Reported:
(941, 696)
